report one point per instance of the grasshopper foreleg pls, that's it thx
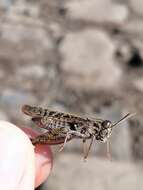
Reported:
(71, 134)
(68, 136)
(86, 153)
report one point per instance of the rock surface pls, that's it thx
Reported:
(95, 173)
(91, 62)
(97, 11)
(137, 6)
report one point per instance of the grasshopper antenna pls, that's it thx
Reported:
(127, 116)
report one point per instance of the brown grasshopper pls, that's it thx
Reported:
(63, 127)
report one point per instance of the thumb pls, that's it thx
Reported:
(17, 163)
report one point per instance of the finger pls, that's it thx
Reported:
(43, 159)
(17, 168)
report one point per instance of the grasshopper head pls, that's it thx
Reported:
(106, 126)
(105, 130)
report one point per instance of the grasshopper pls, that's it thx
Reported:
(63, 127)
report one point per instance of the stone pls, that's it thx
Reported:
(6, 4)
(137, 6)
(32, 71)
(97, 11)
(25, 40)
(23, 8)
(56, 30)
(2, 74)
(17, 32)
(88, 60)
(138, 83)
(15, 99)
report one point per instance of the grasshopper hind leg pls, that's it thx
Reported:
(45, 138)
(38, 140)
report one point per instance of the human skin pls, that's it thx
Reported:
(44, 159)
(22, 166)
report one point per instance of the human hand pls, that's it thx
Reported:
(20, 167)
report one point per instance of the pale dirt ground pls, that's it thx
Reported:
(83, 57)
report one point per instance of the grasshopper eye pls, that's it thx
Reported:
(106, 124)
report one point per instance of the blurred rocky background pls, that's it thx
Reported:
(83, 57)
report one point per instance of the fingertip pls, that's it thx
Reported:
(43, 159)
(44, 162)
(17, 158)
